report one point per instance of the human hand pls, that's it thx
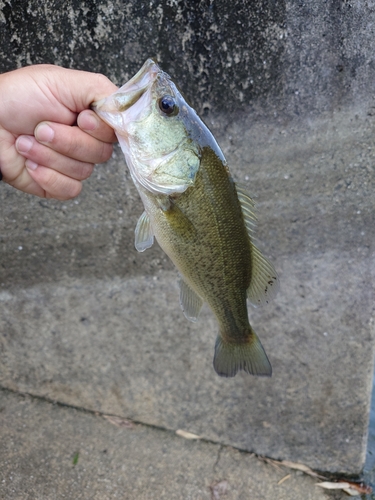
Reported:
(42, 151)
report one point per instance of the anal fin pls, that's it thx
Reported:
(190, 302)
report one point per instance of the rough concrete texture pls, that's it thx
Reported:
(87, 321)
(50, 452)
(305, 55)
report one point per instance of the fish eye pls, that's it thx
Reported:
(168, 105)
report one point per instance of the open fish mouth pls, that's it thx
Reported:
(129, 94)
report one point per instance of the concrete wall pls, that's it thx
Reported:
(288, 89)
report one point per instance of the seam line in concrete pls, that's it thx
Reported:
(221, 446)
(137, 422)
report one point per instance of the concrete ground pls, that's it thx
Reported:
(50, 451)
(87, 322)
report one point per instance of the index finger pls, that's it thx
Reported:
(89, 122)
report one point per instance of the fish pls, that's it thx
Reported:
(200, 217)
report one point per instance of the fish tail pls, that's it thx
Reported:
(249, 356)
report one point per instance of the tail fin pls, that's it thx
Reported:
(250, 356)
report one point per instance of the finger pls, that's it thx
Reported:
(39, 154)
(53, 183)
(13, 166)
(72, 142)
(25, 182)
(90, 122)
(78, 89)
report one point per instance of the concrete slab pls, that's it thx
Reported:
(87, 321)
(48, 451)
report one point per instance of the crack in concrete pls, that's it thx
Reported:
(97, 413)
(221, 446)
(220, 449)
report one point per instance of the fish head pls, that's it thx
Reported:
(160, 135)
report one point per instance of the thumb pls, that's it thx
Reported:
(78, 89)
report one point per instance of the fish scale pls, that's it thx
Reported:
(215, 262)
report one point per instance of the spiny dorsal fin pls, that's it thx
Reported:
(190, 302)
(144, 235)
(264, 280)
(248, 209)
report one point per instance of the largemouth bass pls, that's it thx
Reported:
(201, 219)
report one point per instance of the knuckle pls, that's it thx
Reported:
(73, 147)
(102, 80)
(59, 186)
(105, 152)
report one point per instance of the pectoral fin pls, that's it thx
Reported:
(190, 302)
(264, 280)
(144, 235)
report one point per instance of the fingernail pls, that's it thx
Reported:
(31, 165)
(44, 133)
(88, 122)
(24, 144)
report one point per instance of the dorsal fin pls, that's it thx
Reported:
(248, 209)
(264, 280)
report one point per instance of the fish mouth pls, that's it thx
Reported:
(128, 94)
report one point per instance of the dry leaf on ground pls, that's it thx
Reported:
(119, 422)
(301, 467)
(285, 478)
(352, 489)
(187, 435)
